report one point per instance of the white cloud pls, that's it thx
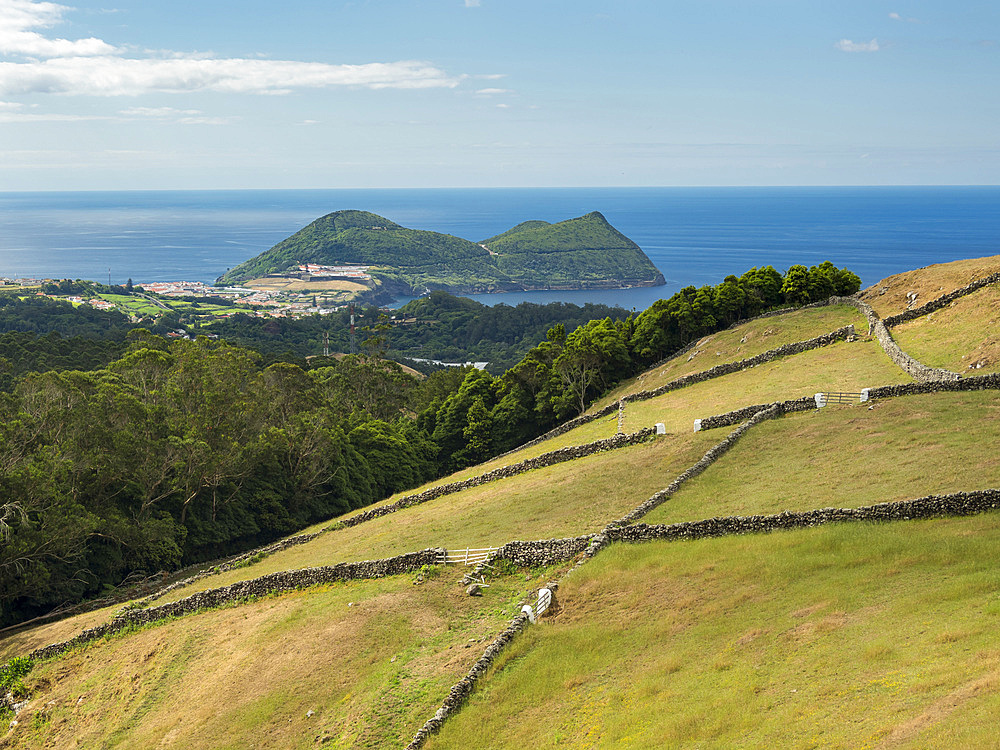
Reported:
(10, 105)
(19, 17)
(158, 112)
(471, 3)
(94, 67)
(117, 76)
(897, 17)
(503, 106)
(491, 92)
(846, 45)
(49, 117)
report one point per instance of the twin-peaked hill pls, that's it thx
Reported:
(688, 626)
(582, 253)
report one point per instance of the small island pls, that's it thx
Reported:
(357, 254)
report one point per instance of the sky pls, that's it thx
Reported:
(203, 94)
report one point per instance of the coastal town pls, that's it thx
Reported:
(279, 295)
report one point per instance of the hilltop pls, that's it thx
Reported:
(586, 252)
(786, 576)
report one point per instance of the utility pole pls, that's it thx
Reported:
(326, 343)
(354, 340)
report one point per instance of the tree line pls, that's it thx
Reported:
(182, 451)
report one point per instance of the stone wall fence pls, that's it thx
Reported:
(728, 368)
(273, 583)
(713, 454)
(901, 359)
(559, 455)
(459, 693)
(931, 506)
(942, 301)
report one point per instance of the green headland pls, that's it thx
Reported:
(582, 253)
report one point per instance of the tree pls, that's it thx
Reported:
(795, 285)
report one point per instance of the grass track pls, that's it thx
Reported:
(844, 636)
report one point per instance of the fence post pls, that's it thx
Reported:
(820, 400)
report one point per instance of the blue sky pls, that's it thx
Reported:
(151, 94)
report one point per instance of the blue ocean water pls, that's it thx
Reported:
(694, 235)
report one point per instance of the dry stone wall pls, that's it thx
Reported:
(532, 554)
(738, 415)
(273, 583)
(716, 452)
(942, 301)
(901, 359)
(990, 381)
(238, 561)
(931, 506)
(728, 368)
(461, 690)
(546, 459)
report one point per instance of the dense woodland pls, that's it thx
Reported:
(439, 326)
(181, 451)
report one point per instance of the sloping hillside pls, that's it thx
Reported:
(586, 252)
(852, 634)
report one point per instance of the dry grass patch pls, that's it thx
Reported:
(370, 659)
(929, 283)
(962, 337)
(298, 285)
(850, 456)
(24, 641)
(744, 341)
(839, 367)
(569, 499)
(826, 637)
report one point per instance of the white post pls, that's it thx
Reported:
(864, 394)
(697, 425)
(820, 400)
(527, 609)
(661, 429)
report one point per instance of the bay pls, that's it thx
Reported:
(695, 236)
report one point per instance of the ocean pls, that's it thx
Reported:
(695, 236)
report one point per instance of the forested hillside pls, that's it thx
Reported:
(187, 450)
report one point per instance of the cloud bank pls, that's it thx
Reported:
(95, 68)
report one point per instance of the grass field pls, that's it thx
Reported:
(22, 642)
(847, 456)
(958, 337)
(839, 367)
(564, 500)
(370, 659)
(849, 636)
(929, 283)
(743, 342)
(841, 636)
